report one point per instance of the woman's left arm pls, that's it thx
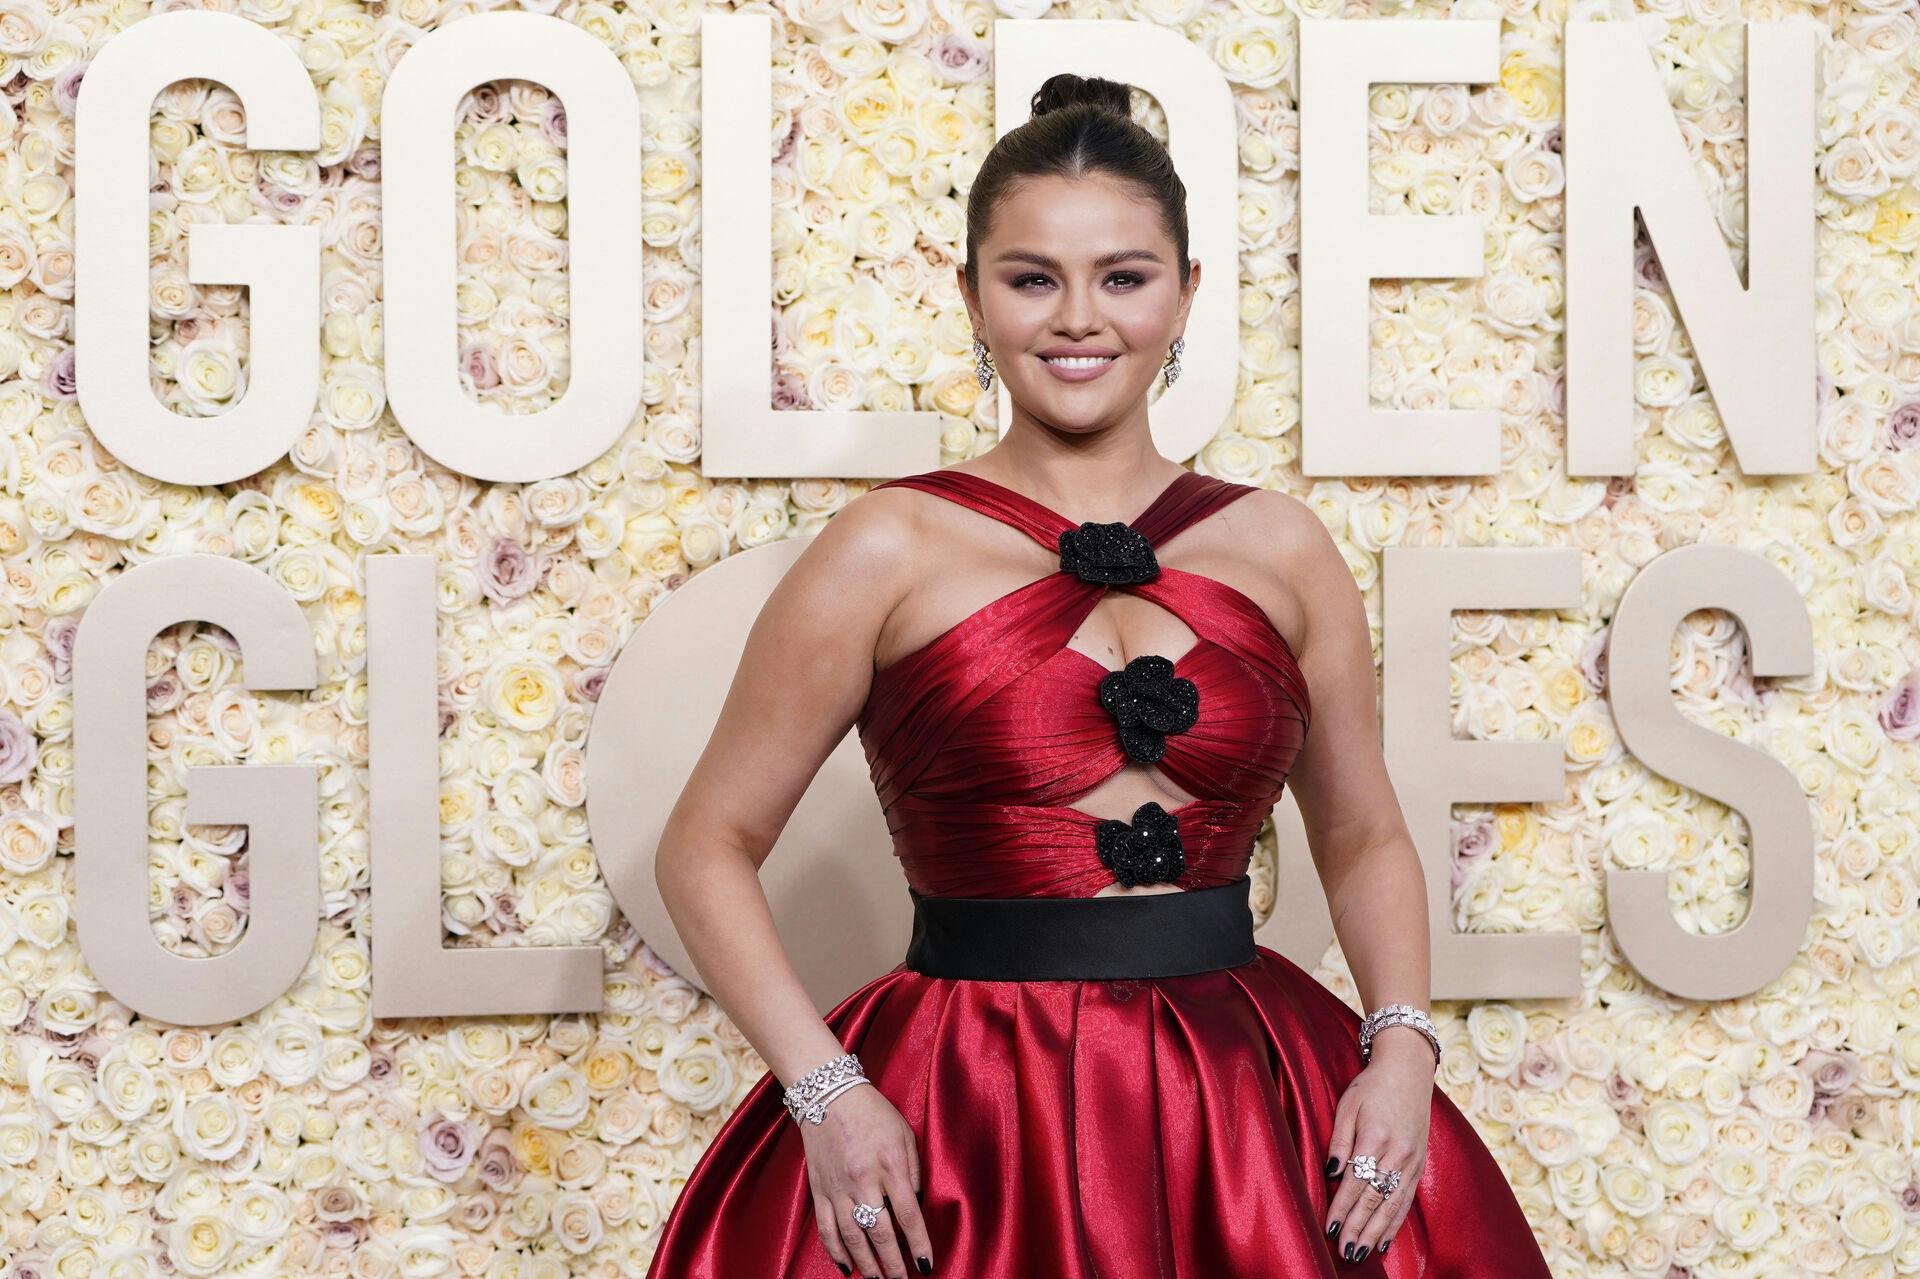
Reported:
(1375, 887)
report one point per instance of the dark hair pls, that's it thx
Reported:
(1079, 125)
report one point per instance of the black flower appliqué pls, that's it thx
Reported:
(1110, 554)
(1148, 702)
(1144, 851)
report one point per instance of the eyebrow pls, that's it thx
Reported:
(1105, 259)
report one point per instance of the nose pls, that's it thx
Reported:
(1078, 313)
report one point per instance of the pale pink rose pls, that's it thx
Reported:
(783, 153)
(499, 1170)
(66, 88)
(506, 571)
(58, 635)
(447, 1145)
(1903, 426)
(57, 381)
(959, 60)
(1900, 711)
(1831, 1072)
(1472, 842)
(790, 390)
(590, 681)
(1593, 661)
(481, 370)
(18, 750)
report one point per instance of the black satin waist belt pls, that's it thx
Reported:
(1082, 938)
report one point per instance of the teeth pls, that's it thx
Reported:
(1078, 361)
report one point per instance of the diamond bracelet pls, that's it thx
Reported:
(1397, 1015)
(807, 1097)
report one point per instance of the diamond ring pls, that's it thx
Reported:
(866, 1216)
(1367, 1169)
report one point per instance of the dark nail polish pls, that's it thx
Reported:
(1385, 1246)
(845, 1269)
(1334, 1229)
(1365, 1248)
(926, 1267)
(1333, 1164)
(1347, 1251)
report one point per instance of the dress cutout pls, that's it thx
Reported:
(1159, 1128)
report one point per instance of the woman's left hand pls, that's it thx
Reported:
(1385, 1113)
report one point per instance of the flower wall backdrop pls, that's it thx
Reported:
(1646, 1136)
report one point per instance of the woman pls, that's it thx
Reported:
(1085, 1067)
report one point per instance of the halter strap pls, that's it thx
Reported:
(1190, 498)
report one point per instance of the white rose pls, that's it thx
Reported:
(695, 1072)
(207, 375)
(1677, 1132)
(524, 692)
(891, 22)
(1852, 171)
(290, 1051)
(422, 1252)
(556, 1097)
(210, 1126)
(107, 503)
(1255, 51)
(200, 1243)
(576, 1221)
(1498, 1036)
(1746, 1221)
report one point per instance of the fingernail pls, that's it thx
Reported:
(1383, 1247)
(1347, 1251)
(844, 1268)
(1333, 1164)
(926, 1267)
(1334, 1229)
(1365, 1248)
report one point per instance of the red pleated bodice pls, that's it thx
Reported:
(980, 741)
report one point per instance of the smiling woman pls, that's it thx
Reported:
(1076, 728)
(1080, 337)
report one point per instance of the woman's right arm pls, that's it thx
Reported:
(803, 676)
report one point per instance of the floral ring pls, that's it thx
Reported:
(1367, 1169)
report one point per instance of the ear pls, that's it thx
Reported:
(1186, 294)
(974, 317)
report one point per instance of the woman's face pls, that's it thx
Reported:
(1078, 268)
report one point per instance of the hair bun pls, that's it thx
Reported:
(1069, 90)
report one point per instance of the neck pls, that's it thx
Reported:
(1106, 475)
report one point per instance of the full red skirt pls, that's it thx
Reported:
(1165, 1128)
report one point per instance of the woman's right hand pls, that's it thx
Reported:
(864, 1151)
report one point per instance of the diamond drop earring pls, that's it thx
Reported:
(1172, 367)
(982, 364)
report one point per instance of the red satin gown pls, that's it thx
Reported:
(1165, 1128)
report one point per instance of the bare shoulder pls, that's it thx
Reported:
(879, 525)
(1300, 560)
(865, 557)
(1287, 535)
